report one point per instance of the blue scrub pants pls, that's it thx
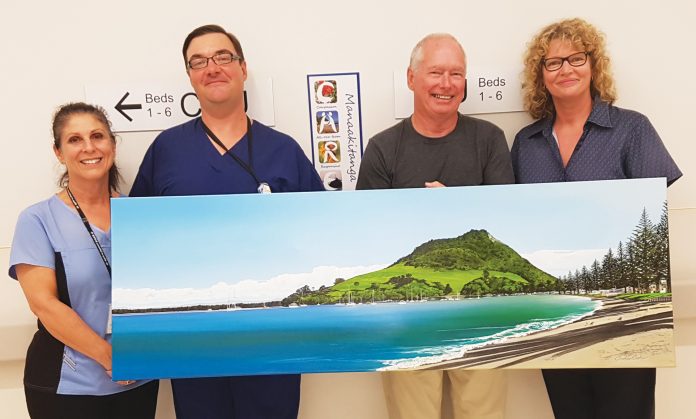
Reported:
(244, 397)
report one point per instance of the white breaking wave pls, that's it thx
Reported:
(245, 291)
(434, 355)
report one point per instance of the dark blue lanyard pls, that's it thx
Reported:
(89, 230)
(261, 187)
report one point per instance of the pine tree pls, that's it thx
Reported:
(661, 262)
(609, 271)
(595, 275)
(630, 267)
(621, 275)
(569, 286)
(560, 284)
(585, 279)
(644, 240)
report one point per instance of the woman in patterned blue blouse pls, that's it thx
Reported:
(580, 135)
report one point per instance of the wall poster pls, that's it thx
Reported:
(335, 123)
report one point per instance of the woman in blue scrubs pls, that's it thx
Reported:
(61, 258)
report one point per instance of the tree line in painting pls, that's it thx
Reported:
(640, 264)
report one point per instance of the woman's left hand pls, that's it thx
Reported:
(125, 383)
(120, 382)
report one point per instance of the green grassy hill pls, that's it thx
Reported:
(477, 249)
(456, 278)
(472, 264)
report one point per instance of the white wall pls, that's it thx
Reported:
(50, 51)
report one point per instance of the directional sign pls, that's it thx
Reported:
(488, 91)
(157, 106)
(120, 106)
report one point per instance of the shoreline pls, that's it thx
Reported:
(618, 334)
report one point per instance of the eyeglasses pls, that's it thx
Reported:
(575, 60)
(196, 63)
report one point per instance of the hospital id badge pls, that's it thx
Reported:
(264, 188)
(108, 322)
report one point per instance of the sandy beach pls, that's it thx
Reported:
(620, 334)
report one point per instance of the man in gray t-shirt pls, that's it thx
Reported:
(473, 153)
(438, 147)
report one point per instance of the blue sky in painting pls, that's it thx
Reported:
(165, 242)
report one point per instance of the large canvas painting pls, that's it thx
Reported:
(515, 276)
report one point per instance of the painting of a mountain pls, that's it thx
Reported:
(479, 250)
(388, 280)
(474, 263)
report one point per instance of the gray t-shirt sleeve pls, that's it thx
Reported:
(374, 168)
(498, 168)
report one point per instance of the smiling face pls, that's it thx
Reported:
(438, 79)
(86, 148)
(216, 84)
(568, 82)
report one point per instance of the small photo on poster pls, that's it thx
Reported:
(325, 91)
(327, 122)
(329, 151)
(332, 180)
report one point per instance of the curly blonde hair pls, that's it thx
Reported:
(584, 36)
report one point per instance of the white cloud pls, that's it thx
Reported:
(247, 291)
(559, 262)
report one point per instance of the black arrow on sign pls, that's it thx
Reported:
(121, 107)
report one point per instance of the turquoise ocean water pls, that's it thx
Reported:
(330, 338)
